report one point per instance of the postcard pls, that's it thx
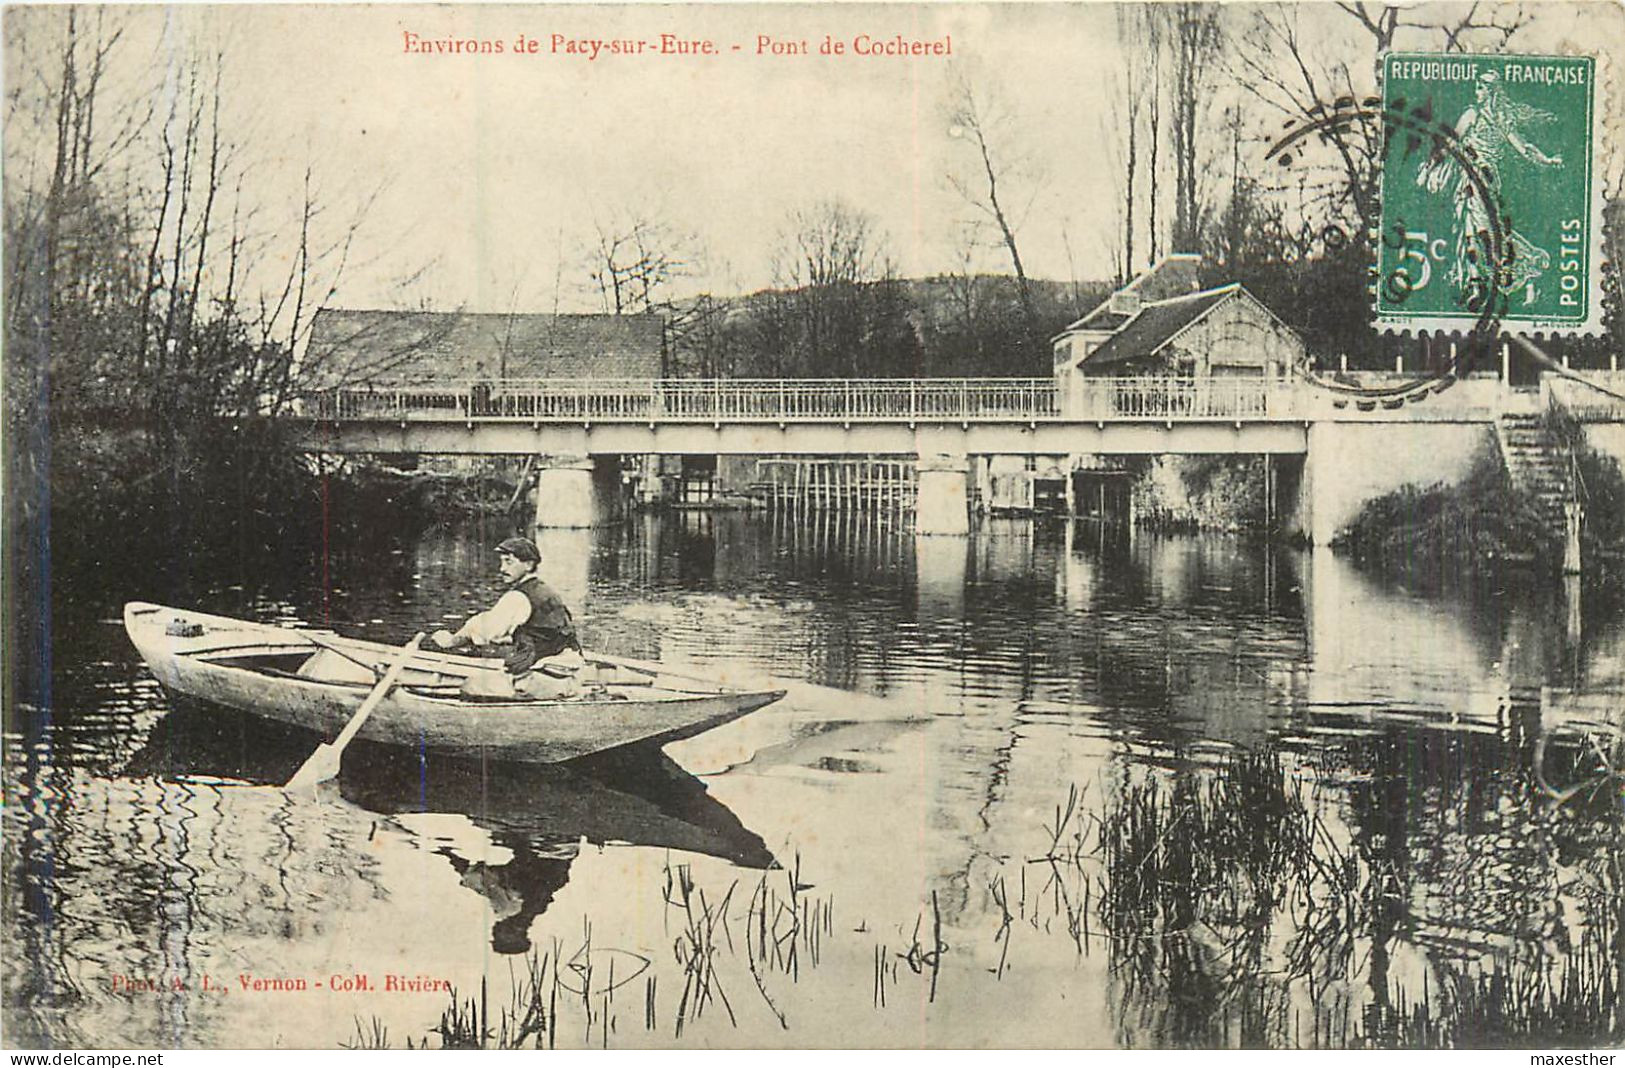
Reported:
(806, 526)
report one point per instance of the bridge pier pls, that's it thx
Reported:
(564, 492)
(940, 505)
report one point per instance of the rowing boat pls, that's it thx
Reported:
(318, 679)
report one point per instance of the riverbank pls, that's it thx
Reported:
(1196, 494)
(1485, 522)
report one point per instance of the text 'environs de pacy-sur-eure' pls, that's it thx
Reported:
(570, 46)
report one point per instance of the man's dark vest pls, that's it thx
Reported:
(548, 632)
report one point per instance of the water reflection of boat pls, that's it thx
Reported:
(318, 682)
(531, 819)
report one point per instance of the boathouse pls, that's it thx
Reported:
(1192, 340)
(1164, 324)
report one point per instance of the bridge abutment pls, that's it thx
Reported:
(1348, 464)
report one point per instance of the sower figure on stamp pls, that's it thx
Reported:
(544, 658)
(1487, 129)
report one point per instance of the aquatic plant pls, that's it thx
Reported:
(1227, 890)
(370, 1034)
(1263, 898)
(696, 945)
(531, 1016)
(1526, 1002)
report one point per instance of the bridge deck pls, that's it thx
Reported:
(817, 400)
(870, 416)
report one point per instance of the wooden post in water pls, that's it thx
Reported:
(1269, 493)
(1572, 516)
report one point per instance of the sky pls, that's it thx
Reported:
(497, 166)
(491, 170)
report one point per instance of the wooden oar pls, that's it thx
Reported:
(325, 640)
(323, 764)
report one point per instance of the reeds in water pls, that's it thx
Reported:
(1255, 900)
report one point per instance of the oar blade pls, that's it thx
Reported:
(324, 762)
(319, 767)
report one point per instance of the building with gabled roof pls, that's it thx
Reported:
(1163, 324)
(361, 349)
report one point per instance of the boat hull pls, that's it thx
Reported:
(204, 656)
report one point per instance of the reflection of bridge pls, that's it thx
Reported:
(1350, 450)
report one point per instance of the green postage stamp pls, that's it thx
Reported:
(1489, 209)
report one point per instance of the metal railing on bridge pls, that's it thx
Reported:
(745, 400)
(1147, 398)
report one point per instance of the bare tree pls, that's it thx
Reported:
(837, 308)
(1128, 99)
(1195, 31)
(635, 258)
(1469, 30)
(133, 247)
(635, 261)
(1153, 23)
(977, 117)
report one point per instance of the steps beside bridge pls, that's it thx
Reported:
(1539, 464)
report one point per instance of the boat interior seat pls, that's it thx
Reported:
(329, 666)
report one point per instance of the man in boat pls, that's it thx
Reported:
(543, 659)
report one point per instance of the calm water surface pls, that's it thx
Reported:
(1040, 787)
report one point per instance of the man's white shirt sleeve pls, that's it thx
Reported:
(499, 621)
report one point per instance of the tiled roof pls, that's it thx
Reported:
(1102, 318)
(1172, 276)
(406, 348)
(1156, 324)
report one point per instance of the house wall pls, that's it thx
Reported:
(729, 476)
(1070, 351)
(1238, 336)
(1608, 439)
(737, 474)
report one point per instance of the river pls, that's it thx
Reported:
(1045, 786)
